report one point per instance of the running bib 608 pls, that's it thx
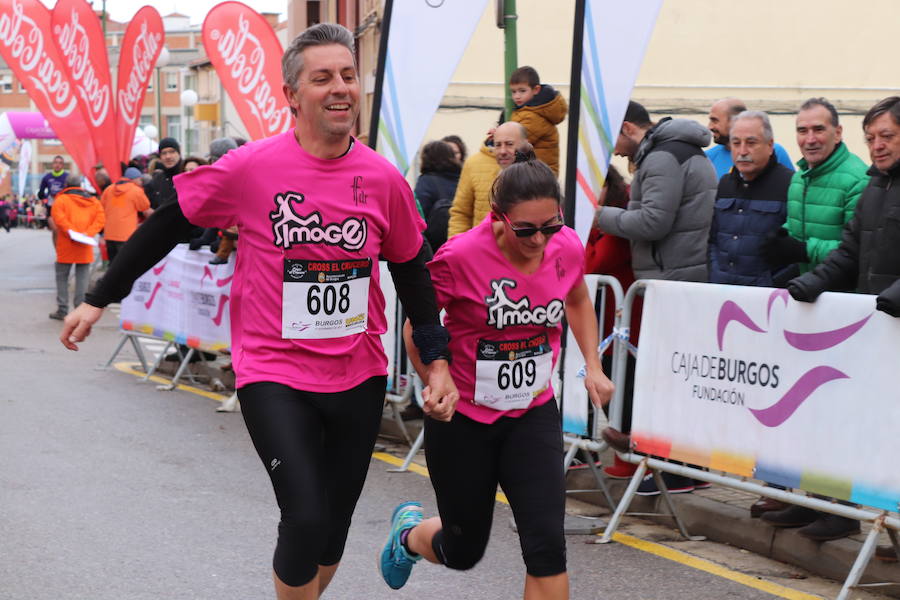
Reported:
(324, 298)
(512, 373)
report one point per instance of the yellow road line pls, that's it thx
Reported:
(710, 567)
(658, 550)
(127, 367)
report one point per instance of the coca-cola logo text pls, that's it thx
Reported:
(144, 50)
(243, 54)
(75, 47)
(25, 41)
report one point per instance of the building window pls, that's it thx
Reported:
(22, 89)
(173, 126)
(6, 85)
(313, 13)
(171, 82)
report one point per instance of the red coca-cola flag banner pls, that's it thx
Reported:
(27, 47)
(246, 54)
(140, 48)
(79, 39)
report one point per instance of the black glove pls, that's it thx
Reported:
(807, 287)
(888, 301)
(779, 248)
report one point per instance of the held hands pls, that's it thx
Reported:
(599, 388)
(77, 325)
(440, 395)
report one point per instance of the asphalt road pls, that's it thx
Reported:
(112, 489)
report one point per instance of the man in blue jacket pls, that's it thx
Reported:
(751, 202)
(721, 114)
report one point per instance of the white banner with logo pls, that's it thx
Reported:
(24, 165)
(616, 35)
(426, 41)
(749, 381)
(183, 298)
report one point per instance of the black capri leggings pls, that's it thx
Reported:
(316, 448)
(466, 461)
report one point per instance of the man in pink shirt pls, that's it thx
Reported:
(315, 210)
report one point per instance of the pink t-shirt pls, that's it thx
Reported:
(498, 317)
(306, 225)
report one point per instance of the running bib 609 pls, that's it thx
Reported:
(512, 373)
(324, 298)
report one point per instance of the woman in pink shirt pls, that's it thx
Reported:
(505, 285)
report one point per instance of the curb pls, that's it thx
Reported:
(732, 525)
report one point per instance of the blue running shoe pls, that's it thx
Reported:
(396, 562)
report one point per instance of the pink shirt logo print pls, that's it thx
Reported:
(503, 312)
(290, 228)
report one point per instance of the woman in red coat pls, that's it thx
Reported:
(607, 254)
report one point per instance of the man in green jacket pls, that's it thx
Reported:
(823, 192)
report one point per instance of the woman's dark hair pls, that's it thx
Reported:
(526, 179)
(455, 139)
(616, 189)
(438, 157)
(196, 159)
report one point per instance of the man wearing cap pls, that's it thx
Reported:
(122, 201)
(161, 190)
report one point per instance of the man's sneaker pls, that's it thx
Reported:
(59, 315)
(619, 469)
(699, 484)
(396, 562)
(676, 484)
(886, 553)
(792, 516)
(829, 527)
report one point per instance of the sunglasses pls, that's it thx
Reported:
(528, 231)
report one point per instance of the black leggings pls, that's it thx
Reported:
(316, 448)
(466, 461)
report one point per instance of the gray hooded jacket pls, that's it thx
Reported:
(672, 197)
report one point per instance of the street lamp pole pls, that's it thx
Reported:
(161, 62)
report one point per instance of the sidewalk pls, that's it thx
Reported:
(723, 515)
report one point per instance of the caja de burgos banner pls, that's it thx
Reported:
(184, 299)
(749, 381)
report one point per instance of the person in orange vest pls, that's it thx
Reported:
(122, 202)
(77, 214)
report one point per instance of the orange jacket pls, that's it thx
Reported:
(122, 202)
(79, 211)
(540, 121)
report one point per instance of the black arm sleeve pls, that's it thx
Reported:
(416, 292)
(165, 228)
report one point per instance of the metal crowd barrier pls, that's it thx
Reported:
(882, 521)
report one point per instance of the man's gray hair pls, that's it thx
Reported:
(813, 102)
(73, 180)
(323, 34)
(761, 116)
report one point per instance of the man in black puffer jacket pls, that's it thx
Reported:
(867, 259)
(161, 191)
